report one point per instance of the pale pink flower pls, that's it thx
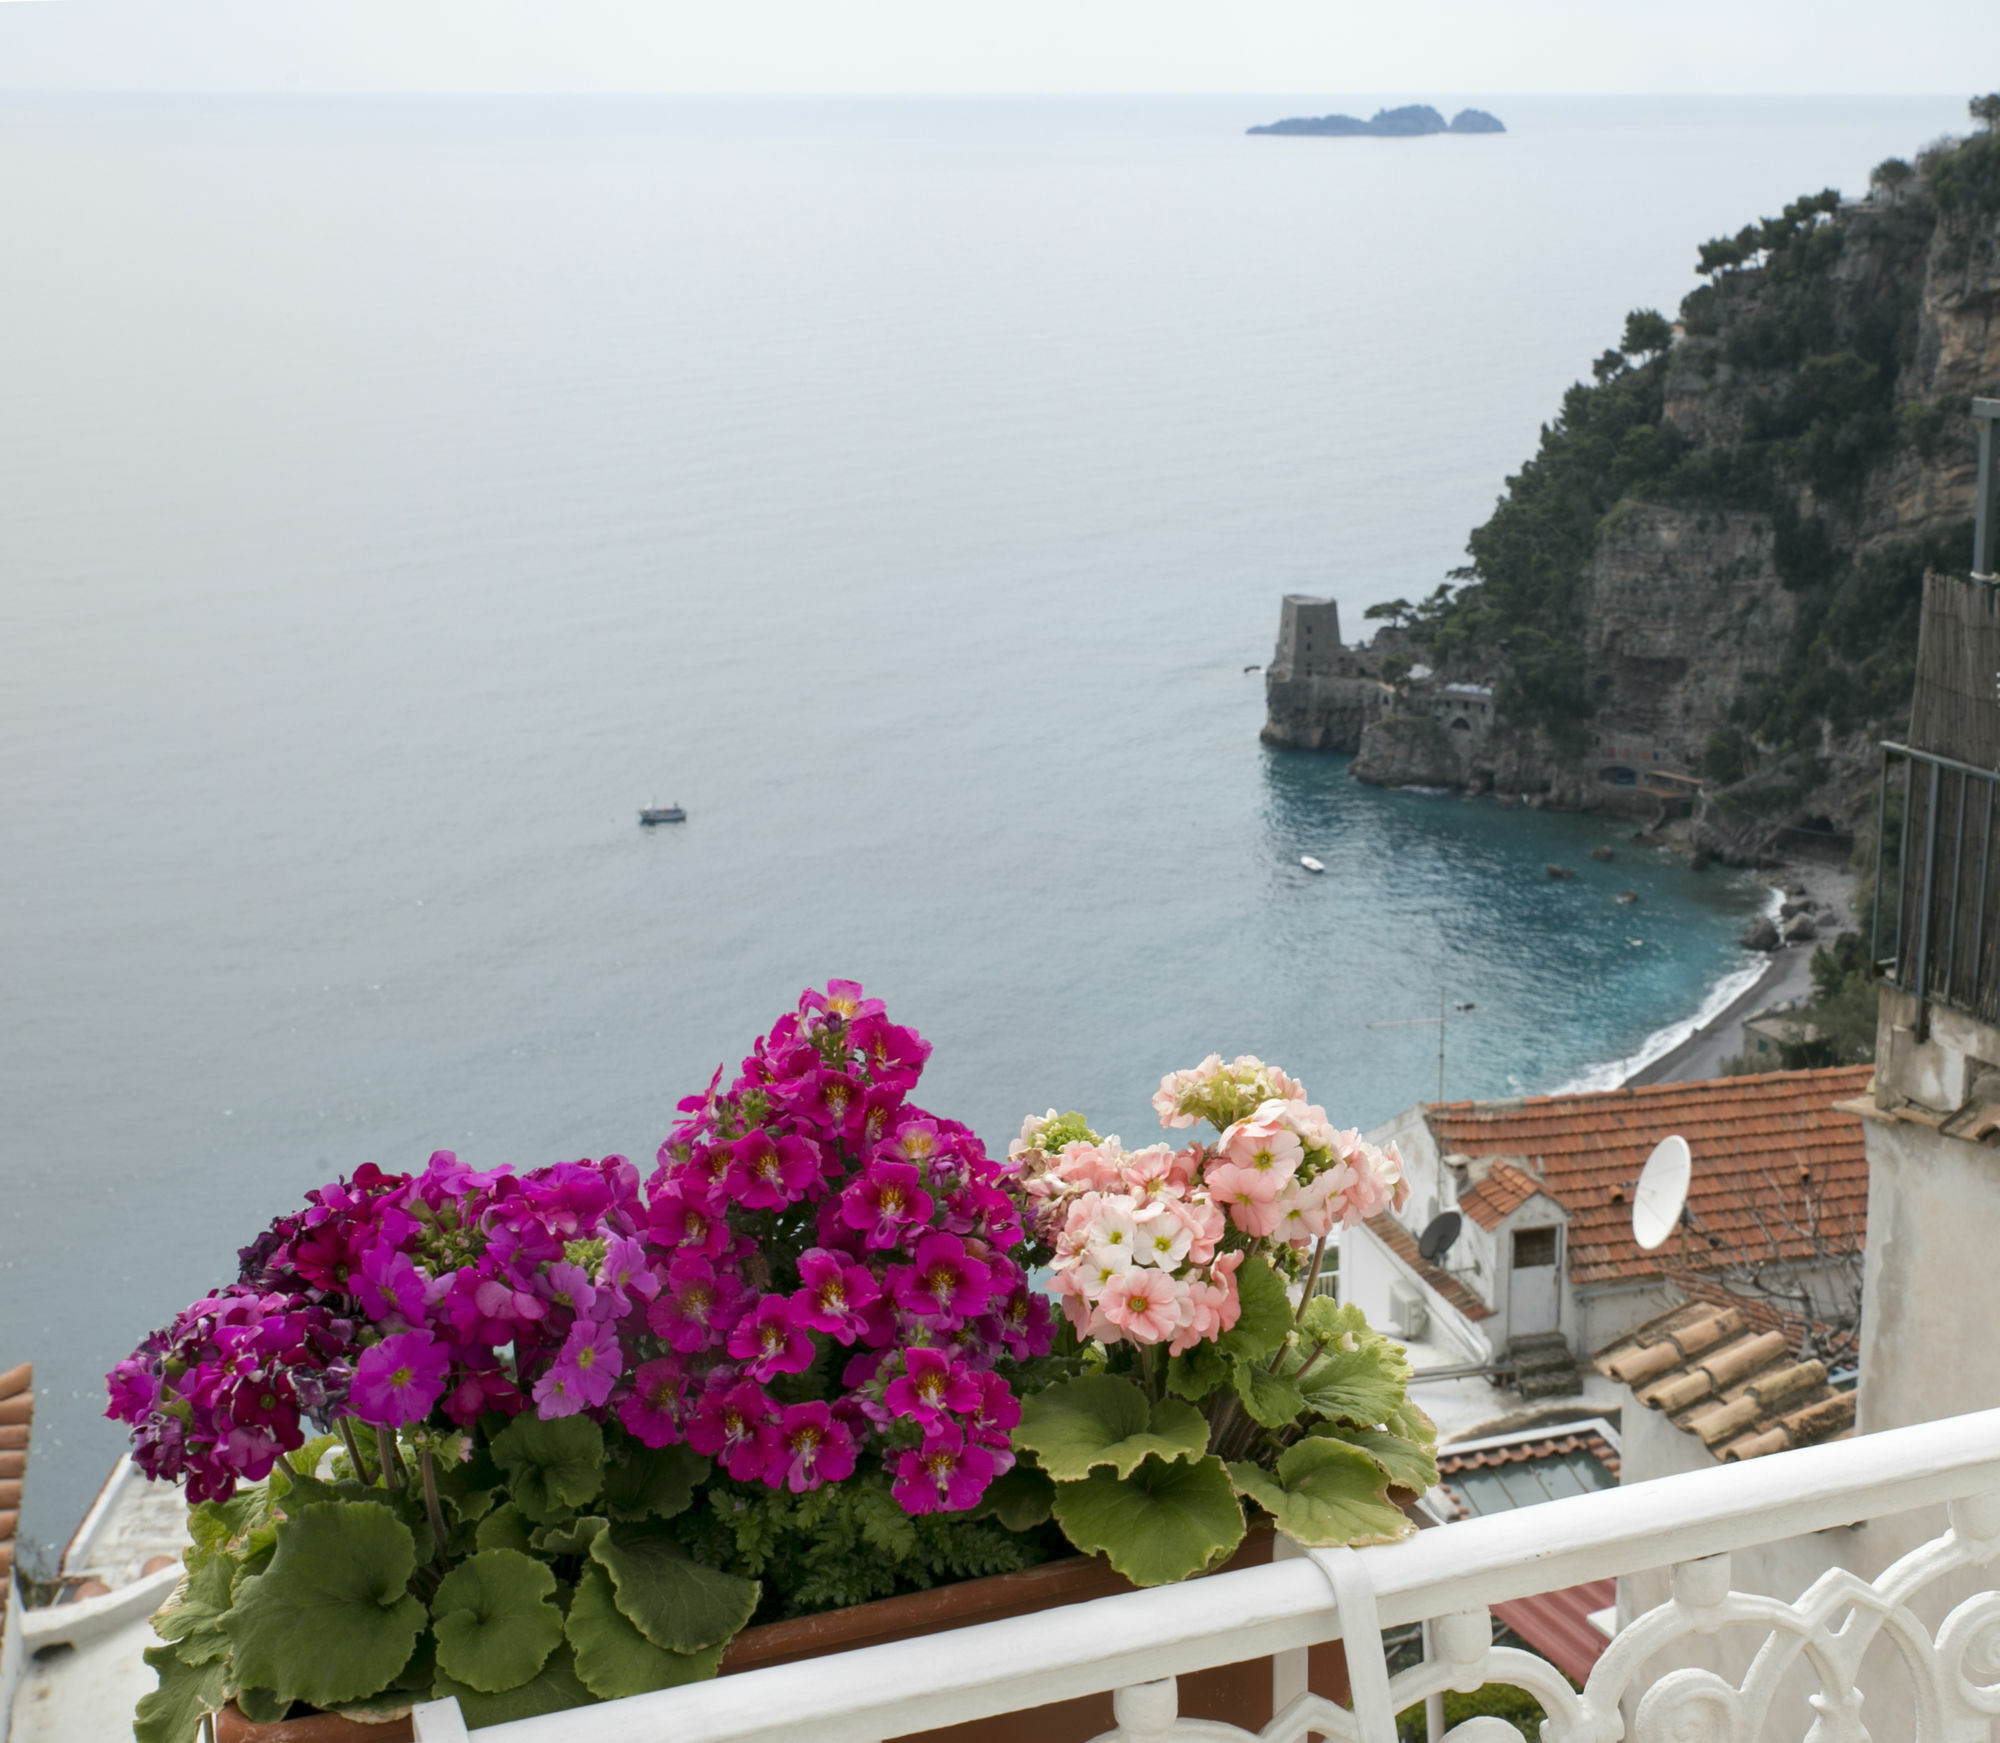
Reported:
(1304, 1215)
(1206, 1225)
(1265, 1151)
(1145, 1304)
(1255, 1216)
(1162, 1241)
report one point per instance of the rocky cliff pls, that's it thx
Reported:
(1712, 568)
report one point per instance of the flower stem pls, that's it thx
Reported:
(353, 1445)
(385, 1448)
(431, 1503)
(1312, 1277)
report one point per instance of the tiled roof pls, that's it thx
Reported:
(1504, 1189)
(1558, 1625)
(1497, 1479)
(1716, 1374)
(1520, 1452)
(17, 1415)
(1761, 1145)
(1386, 1229)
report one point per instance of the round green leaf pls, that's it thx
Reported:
(553, 1689)
(613, 1658)
(332, 1619)
(1409, 1464)
(675, 1603)
(1266, 1318)
(172, 1713)
(503, 1528)
(1098, 1420)
(1270, 1399)
(1020, 1498)
(656, 1481)
(1324, 1493)
(551, 1466)
(495, 1625)
(571, 1537)
(1167, 1520)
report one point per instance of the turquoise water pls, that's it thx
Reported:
(394, 497)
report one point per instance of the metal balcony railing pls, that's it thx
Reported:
(1937, 881)
(1942, 1686)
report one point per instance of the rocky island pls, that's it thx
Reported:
(1699, 599)
(1412, 121)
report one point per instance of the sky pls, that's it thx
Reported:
(1397, 48)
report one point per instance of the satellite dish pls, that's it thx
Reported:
(1436, 1239)
(1662, 1192)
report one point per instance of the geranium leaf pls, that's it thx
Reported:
(571, 1537)
(332, 1620)
(1167, 1520)
(1270, 1399)
(193, 1622)
(261, 1706)
(553, 1689)
(1019, 1498)
(215, 1525)
(655, 1481)
(1197, 1372)
(1098, 1420)
(495, 1625)
(552, 1466)
(172, 1713)
(613, 1658)
(1266, 1318)
(1355, 1375)
(503, 1528)
(676, 1603)
(1325, 1492)
(1409, 1464)
(1412, 1424)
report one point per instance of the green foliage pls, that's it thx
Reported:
(1409, 1463)
(1496, 1700)
(613, 1658)
(495, 1624)
(1352, 1373)
(675, 1602)
(1647, 331)
(1266, 1317)
(652, 1481)
(554, 1689)
(173, 1712)
(1165, 1521)
(551, 1466)
(1098, 1420)
(1324, 1492)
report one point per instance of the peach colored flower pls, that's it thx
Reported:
(1145, 1304)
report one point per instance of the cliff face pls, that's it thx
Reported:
(1713, 566)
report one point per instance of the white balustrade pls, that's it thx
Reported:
(1139, 1643)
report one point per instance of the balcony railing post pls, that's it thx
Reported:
(438, 1721)
(1979, 911)
(1147, 1709)
(1361, 1632)
(1923, 974)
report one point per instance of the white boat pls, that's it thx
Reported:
(1311, 864)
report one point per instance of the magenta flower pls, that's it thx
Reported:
(391, 1287)
(627, 1271)
(725, 1424)
(694, 1305)
(944, 1475)
(843, 999)
(771, 1340)
(399, 1379)
(1027, 1324)
(651, 1410)
(833, 1294)
(584, 1371)
(807, 1447)
(930, 1384)
(568, 1286)
(996, 1413)
(943, 1281)
(479, 1390)
(767, 1175)
(884, 1202)
(895, 1055)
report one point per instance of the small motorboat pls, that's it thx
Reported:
(662, 814)
(1311, 864)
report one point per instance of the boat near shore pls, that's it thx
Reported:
(651, 814)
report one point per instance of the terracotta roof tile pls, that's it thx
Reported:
(1505, 1189)
(1728, 1377)
(1522, 1452)
(1558, 1625)
(17, 1415)
(1386, 1229)
(1760, 1145)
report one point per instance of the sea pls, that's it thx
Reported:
(397, 495)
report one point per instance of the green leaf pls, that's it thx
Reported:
(676, 1603)
(1325, 1492)
(613, 1658)
(262, 1706)
(659, 1481)
(1019, 1498)
(1356, 1375)
(1412, 1424)
(1197, 1372)
(571, 1537)
(1270, 1399)
(495, 1625)
(215, 1525)
(193, 1621)
(1099, 1420)
(553, 1689)
(332, 1620)
(503, 1528)
(551, 1465)
(1409, 1464)
(1266, 1319)
(172, 1713)
(1165, 1521)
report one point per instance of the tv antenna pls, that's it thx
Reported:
(1438, 1235)
(1660, 1198)
(1441, 1019)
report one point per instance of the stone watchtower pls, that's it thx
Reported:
(1308, 638)
(1317, 696)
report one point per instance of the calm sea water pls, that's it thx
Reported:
(393, 497)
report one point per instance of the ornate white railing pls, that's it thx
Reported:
(1139, 1643)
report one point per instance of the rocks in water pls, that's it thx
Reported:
(1477, 121)
(1407, 750)
(1702, 860)
(1602, 853)
(1625, 898)
(1411, 121)
(1798, 929)
(1560, 871)
(1760, 934)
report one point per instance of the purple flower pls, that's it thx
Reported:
(807, 1447)
(399, 1379)
(651, 1410)
(832, 1294)
(584, 1371)
(626, 1271)
(930, 1384)
(569, 1286)
(764, 1174)
(695, 1305)
(944, 1475)
(943, 1281)
(391, 1287)
(771, 1340)
(884, 1202)
(725, 1425)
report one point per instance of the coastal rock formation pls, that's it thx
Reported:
(1700, 600)
(1411, 121)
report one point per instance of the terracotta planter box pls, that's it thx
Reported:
(1237, 1693)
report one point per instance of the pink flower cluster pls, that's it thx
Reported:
(817, 1272)
(1146, 1244)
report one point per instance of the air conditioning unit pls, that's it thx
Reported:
(1407, 1309)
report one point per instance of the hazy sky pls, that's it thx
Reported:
(1391, 47)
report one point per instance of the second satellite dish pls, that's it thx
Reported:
(1661, 1195)
(1438, 1235)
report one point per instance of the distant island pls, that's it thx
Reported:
(1412, 121)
